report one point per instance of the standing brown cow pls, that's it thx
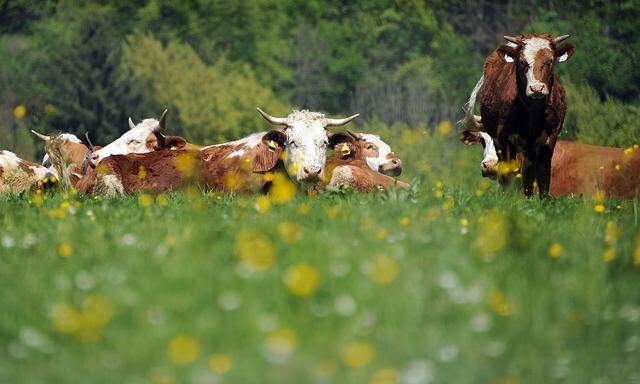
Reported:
(523, 103)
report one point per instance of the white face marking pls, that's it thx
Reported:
(489, 151)
(531, 48)
(70, 137)
(383, 150)
(133, 141)
(237, 153)
(306, 146)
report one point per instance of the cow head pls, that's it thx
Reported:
(534, 57)
(141, 138)
(489, 164)
(369, 148)
(74, 148)
(304, 140)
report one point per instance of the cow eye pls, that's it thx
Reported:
(133, 141)
(326, 142)
(293, 143)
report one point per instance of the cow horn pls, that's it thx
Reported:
(271, 119)
(560, 39)
(41, 136)
(131, 124)
(163, 118)
(339, 122)
(511, 39)
(86, 135)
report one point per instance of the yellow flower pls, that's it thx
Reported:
(86, 324)
(162, 199)
(142, 172)
(464, 222)
(304, 208)
(262, 204)
(186, 163)
(282, 189)
(65, 249)
(281, 344)
(145, 200)
(617, 167)
(290, 232)
(49, 109)
(493, 236)
(357, 354)
(384, 269)
(302, 279)
(612, 233)
(556, 250)
(382, 234)
(254, 250)
(599, 208)
(332, 212)
(448, 203)
(609, 254)
(438, 194)
(19, 112)
(184, 349)
(444, 127)
(439, 184)
(220, 363)
(385, 376)
(404, 221)
(65, 318)
(500, 304)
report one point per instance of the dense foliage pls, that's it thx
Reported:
(87, 66)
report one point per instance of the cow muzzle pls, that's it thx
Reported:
(94, 160)
(489, 168)
(392, 167)
(310, 173)
(537, 91)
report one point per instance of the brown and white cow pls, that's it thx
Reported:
(71, 153)
(523, 103)
(579, 169)
(18, 175)
(297, 150)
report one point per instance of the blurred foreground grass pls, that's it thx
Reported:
(457, 282)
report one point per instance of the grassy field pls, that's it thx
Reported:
(455, 282)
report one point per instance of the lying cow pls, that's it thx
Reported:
(577, 169)
(18, 175)
(298, 150)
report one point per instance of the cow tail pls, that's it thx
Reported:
(471, 121)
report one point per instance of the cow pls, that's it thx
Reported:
(578, 169)
(68, 152)
(18, 175)
(523, 104)
(143, 137)
(298, 151)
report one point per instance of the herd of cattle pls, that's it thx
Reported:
(522, 109)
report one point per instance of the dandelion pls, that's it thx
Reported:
(184, 349)
(162, 199)
(302, 279)
(282, 189)
(357, 354)
(617, 167)
(500, 304)
(382, 234)
(612, 233)
(332, 212)
(145, 200)
(65, 318)
(186, 163)
(448, 203)
(65, 249)
(599, 208)
(262, 204)
(280, 345)
(254, 250)
(493, 237)
(444, 128)
(383, 269)
(86, 324)
(304, 208)
(555, 251)
(438, 194)
(404, 221)
(385, 376)
(219, 363)
(19, 112)
(609, 254)
(49, 109)
(290, 232)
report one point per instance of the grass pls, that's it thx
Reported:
(458, 282)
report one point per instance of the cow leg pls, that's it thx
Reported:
(543, 171)
(528, 175)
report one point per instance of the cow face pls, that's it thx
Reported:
(141, 138)
(489, 164)
(534, 57)
(305, 141)
(369, 148)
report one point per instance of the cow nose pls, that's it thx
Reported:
(396, 162)
(489, 164)
(311, 172)
(538, 90)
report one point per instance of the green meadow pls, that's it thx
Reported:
(454, 281)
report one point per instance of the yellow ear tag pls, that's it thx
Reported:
(272, 144)
(173, 148)
(345, 150)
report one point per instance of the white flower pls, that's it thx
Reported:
(345, 305)
(7, 241)
(230, 301)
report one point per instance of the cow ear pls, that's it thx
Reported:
(469, 137)
(337, 138)
(268, 151)
(174, 142)
(565, 52)
(509, 52)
